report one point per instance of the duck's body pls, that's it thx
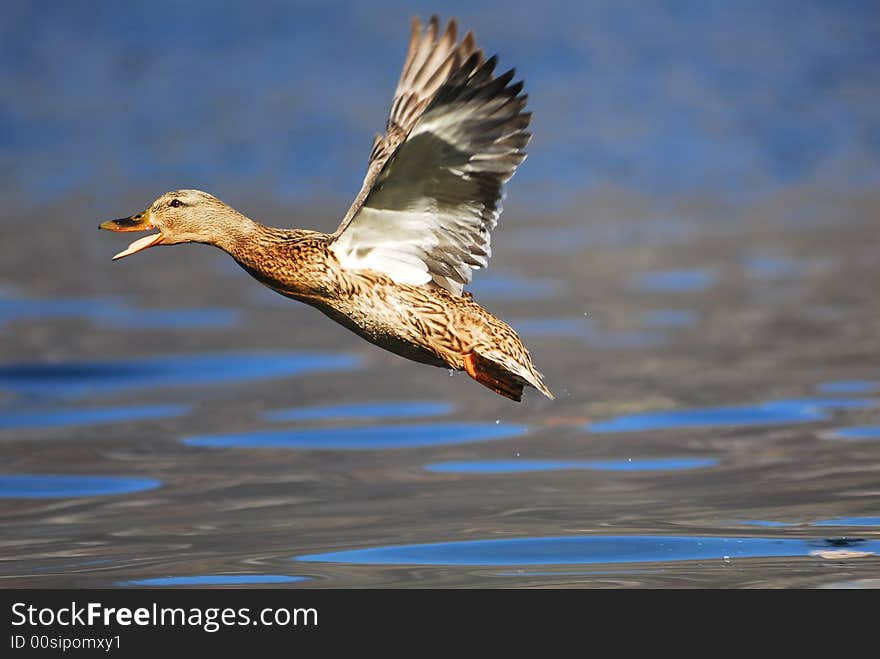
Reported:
(395, 269)
(422, 323)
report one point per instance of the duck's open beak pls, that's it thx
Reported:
(139, 222)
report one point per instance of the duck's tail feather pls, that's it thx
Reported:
(502, 379)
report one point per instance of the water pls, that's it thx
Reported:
(217, 580)
(34, 486)
(518, 466)
(371, 437)
(690, 253)
(871, 432)
(77, 379)
(671, 318)
(770, 266)
(842, 521)
(46, 417)
(850, 387)
(505, 286)
(376, 410)
(850, 521)
(589, 550)
(586, 330)
(115, 313)
(768, 413)
(675, 281)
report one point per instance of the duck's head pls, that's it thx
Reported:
(181, 216)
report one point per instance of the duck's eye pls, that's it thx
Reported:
(175, 203)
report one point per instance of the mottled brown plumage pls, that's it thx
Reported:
(394, 270)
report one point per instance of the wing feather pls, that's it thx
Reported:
(433, 190)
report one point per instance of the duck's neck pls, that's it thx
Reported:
(237, 233)
(251, 242)
(273, 256)
(282, 259)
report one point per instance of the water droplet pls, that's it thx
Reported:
(497, 421)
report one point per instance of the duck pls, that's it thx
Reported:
(395, 269)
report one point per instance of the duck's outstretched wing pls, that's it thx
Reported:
(433, 190)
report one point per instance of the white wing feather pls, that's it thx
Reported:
(426, 211)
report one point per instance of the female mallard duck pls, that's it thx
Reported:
(394, 270)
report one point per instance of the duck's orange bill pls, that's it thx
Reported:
(139, 222)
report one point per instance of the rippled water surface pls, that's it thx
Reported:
(691, 253)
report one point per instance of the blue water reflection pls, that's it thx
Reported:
(507, 286)
(619, 233)
(670, 318)
(13, 309)
(582, 550)
(838, 521)
(675, 281)
(770, 266)
(572, 573)
(45, 486)
(849, 521)
(72, 379)
(736, 92)
(378, 410)
(373, 437)
(826, 403)
(55, 417)
(216, 580)
(866, 432)
(850, 387)
(796, 410)
(520, 466)
(169, 318)
(112, 312)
